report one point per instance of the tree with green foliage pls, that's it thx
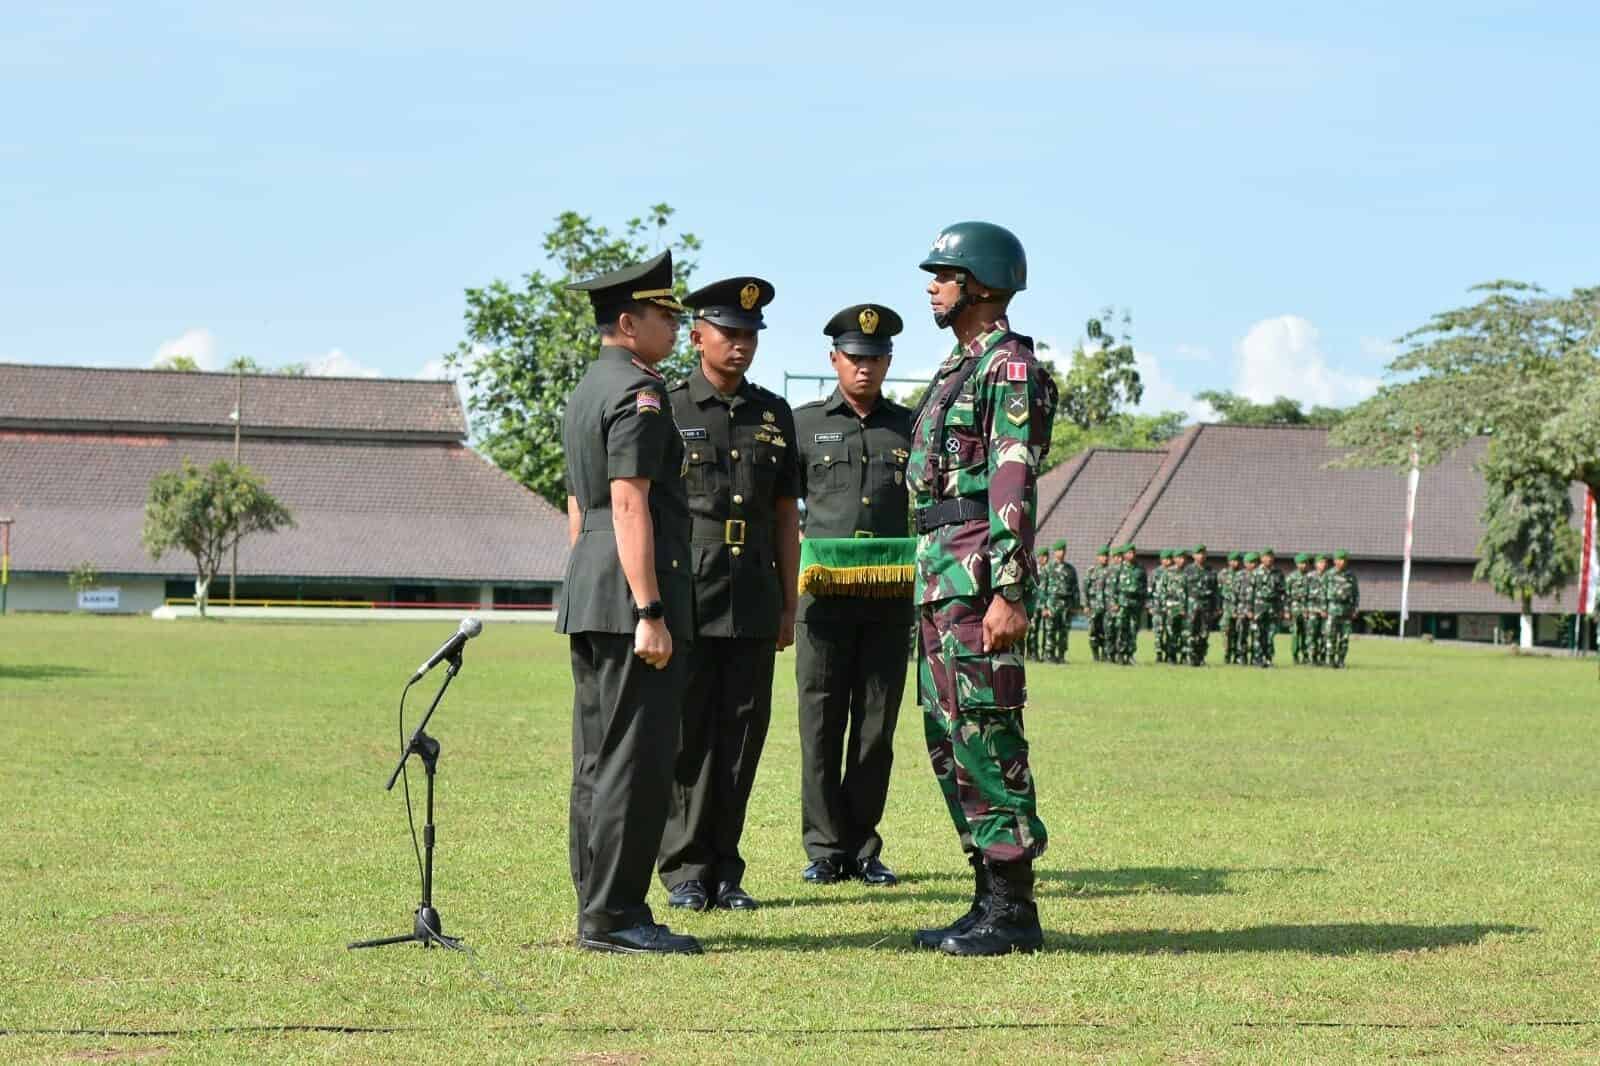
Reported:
(1122, 430)
(177, 362)
(83, 577)
(1101, 378)
(526, 348)
(1529, 546)
(1520, 365)
(1234, 409)
(205, 512)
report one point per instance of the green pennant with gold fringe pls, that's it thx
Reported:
(876, 567)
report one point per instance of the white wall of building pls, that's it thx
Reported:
(134, 595)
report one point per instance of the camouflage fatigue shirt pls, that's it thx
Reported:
(1294, 589)
(1343, 593)
(1132, 587)
(982, 439)
(1316, 591)
(1175, 597)
(1200, 592)
(1267, 592)
(1225, 589)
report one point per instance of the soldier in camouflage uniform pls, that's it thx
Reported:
(1132, 593)
(1175, 605)
(1269, 607)
(1244, 616)
(1062, 596)
(1317, 611)
(1036, 615)
(1158, 592)
(1226, 582)
(1200, 606)
(979, 437)
(1094, 598)
(1294, 590)
(1343, 595)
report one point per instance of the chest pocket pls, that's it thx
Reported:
(962, 446)
(765, 461)
(702, 466)
(832, 470)
(886, 474)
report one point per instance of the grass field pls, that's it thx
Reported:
(1395, 861)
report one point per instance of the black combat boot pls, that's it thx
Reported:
(932, 938)
(1011, 920)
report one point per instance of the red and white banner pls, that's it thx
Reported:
(1411, 517)
(1589, 574)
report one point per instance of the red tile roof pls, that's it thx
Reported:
(1086, 498)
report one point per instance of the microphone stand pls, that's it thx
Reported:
(426, 928)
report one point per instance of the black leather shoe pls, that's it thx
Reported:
(874, 872)
(689, 895)
(731, 897)
(823, 872)
(930, 939)
(641, 940)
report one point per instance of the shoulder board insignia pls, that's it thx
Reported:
(647, 402)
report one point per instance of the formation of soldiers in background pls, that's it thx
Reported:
(1249, 602)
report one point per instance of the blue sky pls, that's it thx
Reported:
(1276, 195)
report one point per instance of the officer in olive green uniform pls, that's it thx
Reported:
(743, 479)
(850, 651)
(628, 607)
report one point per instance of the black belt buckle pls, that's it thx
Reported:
(733, 531)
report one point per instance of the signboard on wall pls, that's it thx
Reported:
(102, 599)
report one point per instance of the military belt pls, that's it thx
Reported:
(950, 512)
(729, 532)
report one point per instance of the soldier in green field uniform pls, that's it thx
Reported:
(1175, 605)
(1244, 598)
(628, 607)
(1317, 611)
(1094, 603)
(850, 651)
(1226, 593)
(1109, 577)
(1063, 597)
(1294, 590)
(744, 487)
(1343, 595)
(977, 445)
(1036, 615)
(1158, 591)
(1269, 607)
(1200, 606)
(1132, 595)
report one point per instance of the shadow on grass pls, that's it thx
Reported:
(1338, 939)
(1347, 938)
(41, 671)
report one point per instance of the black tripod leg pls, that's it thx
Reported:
(384, 941)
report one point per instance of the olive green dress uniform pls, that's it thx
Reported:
(618, 424)
(850, 651)
(741, 460)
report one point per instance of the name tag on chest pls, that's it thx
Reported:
(693, 433)
(827, 438)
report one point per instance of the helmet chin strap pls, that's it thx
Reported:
(945, 319)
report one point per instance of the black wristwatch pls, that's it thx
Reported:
(1011, 593)
(652, 610)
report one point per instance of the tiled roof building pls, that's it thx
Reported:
(388, 500)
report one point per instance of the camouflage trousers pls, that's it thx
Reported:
(1158, 629)
(1229, 649)
(1177, 637)
(1199, 633)
(1243, 647)
(1097, 634)
(1034, 640)
(1336, 642)
(1263, 630)
(1316, 639)
(972, 717)
(1302, 633)
(1053, 636)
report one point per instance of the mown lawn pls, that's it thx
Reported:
(1397, 860)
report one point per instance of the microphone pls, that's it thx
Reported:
(470, 627)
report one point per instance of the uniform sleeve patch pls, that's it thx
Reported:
(1016, 370)
(827, 438)
(648, 402)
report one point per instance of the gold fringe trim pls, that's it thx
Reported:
(879, 582)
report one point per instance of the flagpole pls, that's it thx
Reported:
(1411, 514)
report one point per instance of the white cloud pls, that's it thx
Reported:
(1379, 350)
(199, 344)
(434, 370)
(336, 364)
(1197, 353)
(1282, 357)
(1161, 393)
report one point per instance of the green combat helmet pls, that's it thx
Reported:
(991, 254)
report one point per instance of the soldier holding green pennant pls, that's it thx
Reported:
(852, 630)
(977, 444)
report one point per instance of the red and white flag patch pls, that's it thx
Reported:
(1016, 370)
(648, 401)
